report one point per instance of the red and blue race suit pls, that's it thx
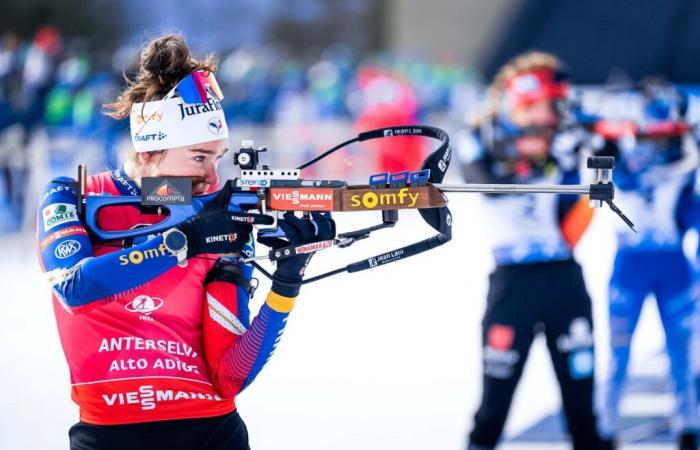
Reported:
(145, 339)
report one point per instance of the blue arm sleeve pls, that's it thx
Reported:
(65, 252)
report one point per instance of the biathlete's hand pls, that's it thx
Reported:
(215, 229)
(287, 279)
(215, 232)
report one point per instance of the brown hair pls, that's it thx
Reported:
(526, 62)
(162, 64)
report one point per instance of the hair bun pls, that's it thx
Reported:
(167, 58)
(164, 62)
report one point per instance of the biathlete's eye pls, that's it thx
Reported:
(200, 158)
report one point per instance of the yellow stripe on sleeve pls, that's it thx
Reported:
(280, 303)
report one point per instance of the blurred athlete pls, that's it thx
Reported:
(536, 286)
(656, 158)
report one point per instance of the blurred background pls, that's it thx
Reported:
(306, 73)
(300, 76)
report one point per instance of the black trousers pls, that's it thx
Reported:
(523, 300)
(227, 432)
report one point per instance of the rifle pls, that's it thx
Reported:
(261, 194)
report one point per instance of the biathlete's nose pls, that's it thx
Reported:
(211, 177)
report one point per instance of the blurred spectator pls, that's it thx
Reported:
(9, 77)
(386, 100)
(30, 74)
(37, 74)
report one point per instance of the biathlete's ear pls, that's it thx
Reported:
(151, 157)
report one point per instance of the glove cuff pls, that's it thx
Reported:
(284, 287)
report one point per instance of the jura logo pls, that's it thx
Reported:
(199, 108)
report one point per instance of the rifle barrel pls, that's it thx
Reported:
(516, 188)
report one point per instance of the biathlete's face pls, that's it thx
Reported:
(538, 114)
(198, 161)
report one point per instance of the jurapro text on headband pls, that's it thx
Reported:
(190, 113)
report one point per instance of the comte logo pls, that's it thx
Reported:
(144, 304)
(59, 213)
(67, 249)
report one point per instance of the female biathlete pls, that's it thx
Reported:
(157, 331)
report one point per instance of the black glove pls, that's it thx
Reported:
(214, 230)
(286, 280)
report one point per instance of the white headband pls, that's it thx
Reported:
(170, 122)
